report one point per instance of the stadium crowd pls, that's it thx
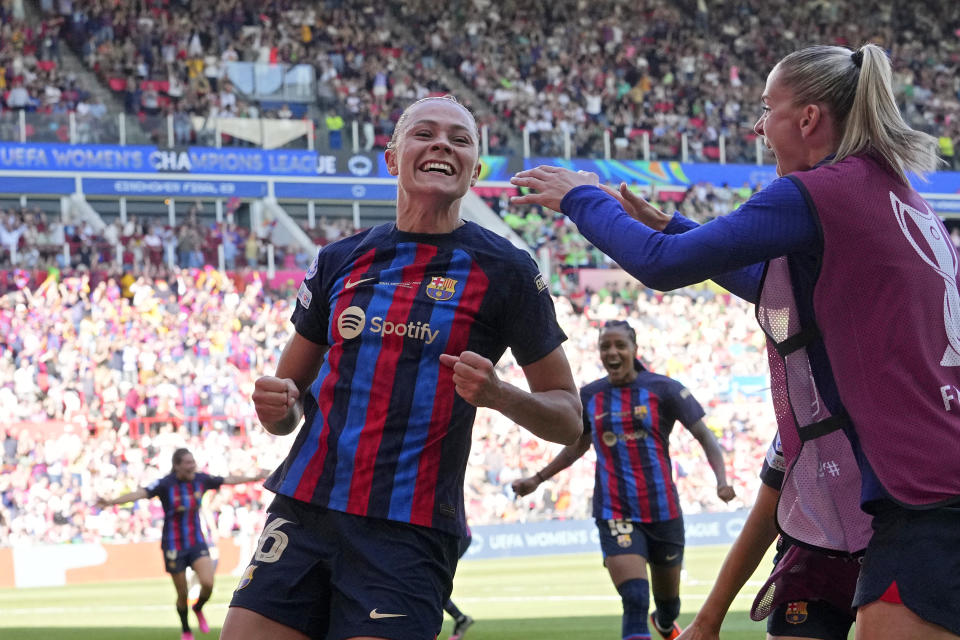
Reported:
(104, 375)
(546, 67)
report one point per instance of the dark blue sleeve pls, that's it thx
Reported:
(685, 406)
(743, 283)
(774, 222)
(311, 313)
(532, 328)
(774, 466)
(212, 482)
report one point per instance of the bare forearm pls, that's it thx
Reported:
(553, 415)
(286, 424)
(567, 456)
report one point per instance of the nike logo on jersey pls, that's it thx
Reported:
(351, 285)
(376, 615)
(671, 557)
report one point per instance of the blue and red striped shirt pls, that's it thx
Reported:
(630, 426)
(385, 433)
(181, 508)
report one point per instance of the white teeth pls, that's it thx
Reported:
(442, 166)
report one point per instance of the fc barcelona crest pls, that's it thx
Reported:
(624, 540)
(796, 612)
(441, 288)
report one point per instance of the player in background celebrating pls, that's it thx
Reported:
(183, 543)
(398, 329)
(628, 417)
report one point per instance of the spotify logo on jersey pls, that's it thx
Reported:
(351, 322)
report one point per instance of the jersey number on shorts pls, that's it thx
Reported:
(279, 539)
(620, 527)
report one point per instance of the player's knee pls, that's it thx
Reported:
(635, 595)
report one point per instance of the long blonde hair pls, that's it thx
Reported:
(857, 89)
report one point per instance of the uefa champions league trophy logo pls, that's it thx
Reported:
(944, 262)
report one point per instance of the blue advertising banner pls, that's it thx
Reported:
(173, 188)
(676, 174)
(579, 536)
(196, 160)
(25, 185)
(336, 191)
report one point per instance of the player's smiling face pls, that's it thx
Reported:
(437, 150)
(779, 124)
(186, 469)
(617, 353)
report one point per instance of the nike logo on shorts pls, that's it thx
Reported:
(351, 285)
(376, 615)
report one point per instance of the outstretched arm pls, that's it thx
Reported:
(758, 533)
(710, 446)
(242, 479)
(550, 410)
(131, 496)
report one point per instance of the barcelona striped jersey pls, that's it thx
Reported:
(181, 508)
(630, 426)
(385, 434)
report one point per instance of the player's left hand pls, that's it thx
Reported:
(474, 377)
(726, 493)
(551, 184)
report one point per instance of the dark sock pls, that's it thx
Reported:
(183, 618)
(202, 600)
(453, 610)
(667, 612)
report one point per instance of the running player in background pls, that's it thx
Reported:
(183, 542)
(628, 417)
(809, 594)
(398, 329)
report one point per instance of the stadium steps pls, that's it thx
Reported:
(70, 63)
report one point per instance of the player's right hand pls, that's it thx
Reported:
(638, 208)
(273, 398)
(695, 632)
(525, 486)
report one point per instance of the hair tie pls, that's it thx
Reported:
(857, 57)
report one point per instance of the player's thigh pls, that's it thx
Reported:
(244, 624)
(203, 566)
(887, 621)
(627, 566)
(180, 583)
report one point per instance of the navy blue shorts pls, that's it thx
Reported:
(661, 543)
(335, 575)
(920, 551)
(810, 619)
(177, 561)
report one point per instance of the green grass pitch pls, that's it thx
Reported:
(531, 598)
